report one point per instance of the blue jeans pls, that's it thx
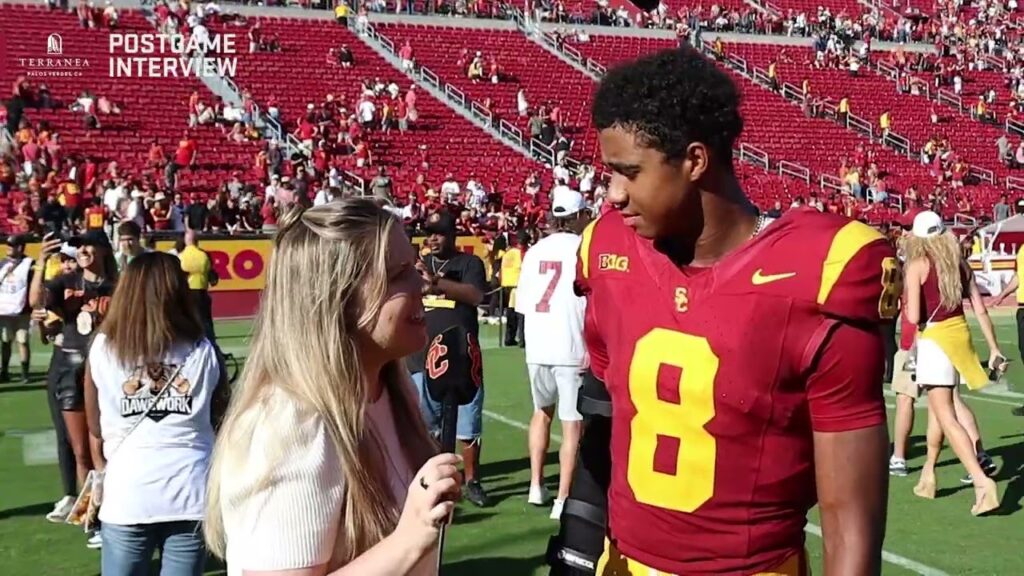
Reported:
(470, 421)
(128, 550)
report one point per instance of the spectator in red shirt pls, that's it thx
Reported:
(157, 158)
(88, 178)
(184, 155)
(270, 214)
(160, 212)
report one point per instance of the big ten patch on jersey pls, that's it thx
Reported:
(607, 261)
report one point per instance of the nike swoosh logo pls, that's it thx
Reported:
(758, 278)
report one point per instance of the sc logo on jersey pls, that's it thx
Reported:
(613, 262)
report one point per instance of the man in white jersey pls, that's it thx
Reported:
(555, 353)
(15, 278)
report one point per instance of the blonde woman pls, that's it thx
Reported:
(324, 440)
(937, 280)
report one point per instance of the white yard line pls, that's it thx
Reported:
(972, 396)
(901, 561)
(1001, 390)
(890, 557)
(977, 396)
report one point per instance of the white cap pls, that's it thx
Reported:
(566, 202)
(927, 224)
(69, 250)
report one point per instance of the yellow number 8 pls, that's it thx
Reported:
(693, 482)
(892, 289)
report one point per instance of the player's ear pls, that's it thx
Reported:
(696, 156)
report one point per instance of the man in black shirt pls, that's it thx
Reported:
(454, 285)
(196, 215)
(53, 215)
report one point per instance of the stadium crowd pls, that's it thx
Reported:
(337, 132)
(97, 270)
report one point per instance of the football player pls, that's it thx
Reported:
(555, 352)
(742, 356)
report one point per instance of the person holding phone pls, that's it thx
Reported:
(80, 299)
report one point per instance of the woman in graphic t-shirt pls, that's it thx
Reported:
(152, 376)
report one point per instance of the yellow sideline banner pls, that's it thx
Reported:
(241, 262)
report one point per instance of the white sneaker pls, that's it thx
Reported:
(556, 509)
(538, 495)
(897, 467)
(95, 541)
(61, 509)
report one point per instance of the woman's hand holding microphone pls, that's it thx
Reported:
(431, 499)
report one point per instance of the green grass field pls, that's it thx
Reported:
(923, 537)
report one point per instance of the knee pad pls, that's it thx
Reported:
(593, 399)
(575, 550)
(578, 546)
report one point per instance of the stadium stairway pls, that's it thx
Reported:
(975, 84)
(549, 42)
(870, 95)
(523, 65)
(304, 73)
(435, 45)
(455, 98)
(470, 154)
(777, 133)
(895, 154)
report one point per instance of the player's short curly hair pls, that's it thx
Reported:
(670, 99)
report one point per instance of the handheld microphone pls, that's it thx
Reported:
(453, 376)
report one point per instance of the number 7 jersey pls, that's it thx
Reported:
(717, 385)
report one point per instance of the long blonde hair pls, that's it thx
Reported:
(946, 260)
(326, 279)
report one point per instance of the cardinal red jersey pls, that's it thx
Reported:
(712, 375)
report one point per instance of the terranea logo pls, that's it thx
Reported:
(55, 44)
(56, 64)
(200, 54)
